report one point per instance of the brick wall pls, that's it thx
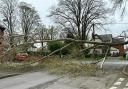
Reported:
(121, 49)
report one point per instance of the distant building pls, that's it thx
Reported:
(101, 49)
(115, 50)
(119, 47)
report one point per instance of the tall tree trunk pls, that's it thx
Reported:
(25, 42)
(42, 44)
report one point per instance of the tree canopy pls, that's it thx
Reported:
(78, 16)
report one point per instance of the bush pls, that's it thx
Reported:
(99, 55)
(38, 53)
(87, 55)
(52, 46)
(124, 56)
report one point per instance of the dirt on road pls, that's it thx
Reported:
(102, 81)
(44, 80)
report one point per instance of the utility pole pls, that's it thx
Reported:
(93, 37)
(93, 33)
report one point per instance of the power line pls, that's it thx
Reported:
(110, 23)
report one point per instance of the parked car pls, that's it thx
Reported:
(21, 56)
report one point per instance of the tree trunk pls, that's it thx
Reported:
(25, 42)
(42, 45)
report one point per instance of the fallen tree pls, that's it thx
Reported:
(108, 44)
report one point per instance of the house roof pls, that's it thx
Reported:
(108, 37)
(105, 38)
(118, 40)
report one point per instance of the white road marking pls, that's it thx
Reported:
(121, 79)
(117, 83)
(126, 84)
(113, 88)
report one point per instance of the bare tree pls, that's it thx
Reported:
(41, 34)
(30, 20)
(44, 33)
(8, 10)
(52, 32)
(78, 16)
(120, 4)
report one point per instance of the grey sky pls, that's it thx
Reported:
(43, 6)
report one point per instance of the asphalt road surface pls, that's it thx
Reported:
(43, 80)
(27, 81)
(120, 83)
(40, 80)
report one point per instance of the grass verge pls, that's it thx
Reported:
(62, 67)
(54, 66)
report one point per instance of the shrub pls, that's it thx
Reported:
(37, 53)
(87, 55)
(52, 46)
(124, 56)
(99, 55)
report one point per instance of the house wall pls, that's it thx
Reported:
(98, 51)
(121, 49)
(98, 40)
(114, 51)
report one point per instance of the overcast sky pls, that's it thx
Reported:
(43, 6)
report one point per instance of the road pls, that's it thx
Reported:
(114, 63)
(120, 83)
(111, 63)
(43, 80)
(27, 81)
